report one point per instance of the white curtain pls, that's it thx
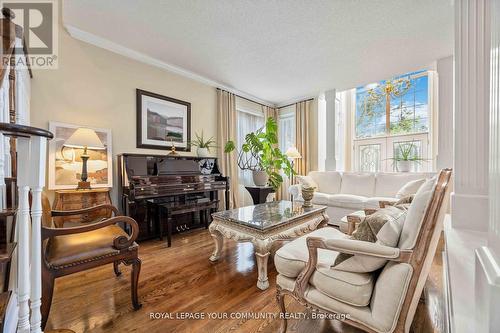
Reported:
(247, 122)
(286, 129)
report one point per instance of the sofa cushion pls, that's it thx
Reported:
(373, 203)
(347, 201)
(410, 188)
(415, 215)
(382, 227)
(348, 287)
(320, 198)
(362, 184)
(291, 259)
(307, 181)
(388, 184)
(327, 181)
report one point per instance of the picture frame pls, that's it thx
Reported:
(162, 121)
(65, 163)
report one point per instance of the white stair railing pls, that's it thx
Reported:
(31, 161)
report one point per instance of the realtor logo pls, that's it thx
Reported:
(39, 22)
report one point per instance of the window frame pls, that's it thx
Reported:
(387, 140)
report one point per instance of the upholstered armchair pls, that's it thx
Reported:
(69, 250)
(384, 300)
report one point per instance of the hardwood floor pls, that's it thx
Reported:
(181, 280)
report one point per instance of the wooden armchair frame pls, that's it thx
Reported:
(128, 253)
(416, 258)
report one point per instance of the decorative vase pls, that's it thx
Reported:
(403, 166)
(307, 195)
(202, 152)
(260, 178)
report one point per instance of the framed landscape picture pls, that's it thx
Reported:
(162, 122)
(65, 164)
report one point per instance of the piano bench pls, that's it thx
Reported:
(166, 211)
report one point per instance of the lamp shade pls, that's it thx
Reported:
(84, 137)
(293, 153)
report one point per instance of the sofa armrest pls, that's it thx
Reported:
(346, 246)
(295, 191)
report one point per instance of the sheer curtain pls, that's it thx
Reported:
(286, 129)
(247, 122)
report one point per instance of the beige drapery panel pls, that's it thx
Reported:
(302, 120)
(270, 112)
(226, 130)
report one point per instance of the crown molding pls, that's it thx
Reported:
(106, 44)
(295, 100)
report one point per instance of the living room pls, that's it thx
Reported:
(215, 166)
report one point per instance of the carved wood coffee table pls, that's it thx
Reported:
(265, 225)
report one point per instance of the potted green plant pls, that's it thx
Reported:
(260, 154)
(405, 156)
(203, 146)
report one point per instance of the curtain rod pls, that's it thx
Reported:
(274, 107)
(305, 100)
(245, 98)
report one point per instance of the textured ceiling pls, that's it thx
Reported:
(276, 50)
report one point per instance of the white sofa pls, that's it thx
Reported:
(347, 192)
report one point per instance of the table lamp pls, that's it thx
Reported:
(85, 138)
(292, 153)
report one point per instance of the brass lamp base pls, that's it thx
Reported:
(83, 185)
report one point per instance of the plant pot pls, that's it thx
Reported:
(403, 166)
(202, 152)
(260, 178)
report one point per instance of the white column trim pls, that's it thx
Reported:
(330, 161)
(471, 137)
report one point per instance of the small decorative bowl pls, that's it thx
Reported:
(307, 195)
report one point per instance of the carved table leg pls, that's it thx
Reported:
(218, 242)
(262, 282)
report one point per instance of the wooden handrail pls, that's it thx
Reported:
(8, 32)
(15, 130)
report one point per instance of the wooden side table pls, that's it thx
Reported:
(78, 199)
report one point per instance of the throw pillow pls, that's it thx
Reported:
(382, 227)
(307, 181)
(403, 203)
(410, 188)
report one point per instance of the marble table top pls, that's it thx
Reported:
(267, 215)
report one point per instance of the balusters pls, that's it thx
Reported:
(31, 153)
(38, 153)
(23, 228)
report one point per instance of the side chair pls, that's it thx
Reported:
(68, 250)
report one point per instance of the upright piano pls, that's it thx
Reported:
(179, 180)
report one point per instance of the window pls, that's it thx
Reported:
(389, 116)
(247, 121)
(286, 128)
